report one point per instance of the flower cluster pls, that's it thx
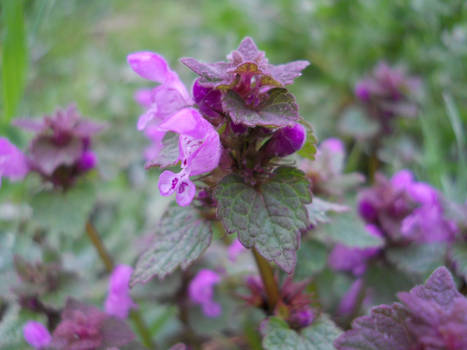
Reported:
(60, 151)
(85, 327)
(405, 210)
(387, 93)
(431, 316)
(240, 118)
(201, 291)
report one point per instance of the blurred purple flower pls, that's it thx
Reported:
(354, 260)
(13, 163)
(405, 210)
(286, 141)
(201, 291)
(235, 249)
(388, 92)
(119, 302)
(61, 148)
(36, 334)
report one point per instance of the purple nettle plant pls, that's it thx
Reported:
(85, 327)
(430, 316)
(60, 151)
(406, 211)
(388, 92)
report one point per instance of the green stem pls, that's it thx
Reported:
(269, 282)
(107, 260)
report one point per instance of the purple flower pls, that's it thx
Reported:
(351, 298)
(431, 316)
(36, 335)
(286, 141)
(13, 163)
(354, 260)
(164, 100)
(405, 210)
(201, 291)
(387, 93)
(200, 151)
(235, 249)
(119, 302)
(61, 148)
(168, 111)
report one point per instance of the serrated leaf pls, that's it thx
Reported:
(278, 110)
(318, 209)
(183, 235)
(419, 259)
(64, 212)
(168, 154)
(349, 229)
(320, 335)
(269, 218)
(383, 329)
(459, 256)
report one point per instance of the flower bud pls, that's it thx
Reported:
(286, 141)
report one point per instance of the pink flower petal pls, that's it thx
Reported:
(36, 335)
(168, 182)
(186, 191)
(151, 66)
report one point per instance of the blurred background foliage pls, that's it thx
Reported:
(58, 52)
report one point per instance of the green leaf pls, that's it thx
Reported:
(64, 212)
(354, 122)
(312, 258)
(279, 109)
(349, 229)
(182, 237)
(418, 259)
(168, 155)
(318, 208)
(13, 57)
(320, 335)
(309, 148)
(459, 256)
(269, 218)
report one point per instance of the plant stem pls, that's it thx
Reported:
(97, 242)
(269, 282)
(104, 255)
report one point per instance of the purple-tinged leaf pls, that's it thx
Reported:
(269, 218)
(211, 73)
(279, 109)
(383, 329)
(286, 73)
(47, 156)
(183, 235)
